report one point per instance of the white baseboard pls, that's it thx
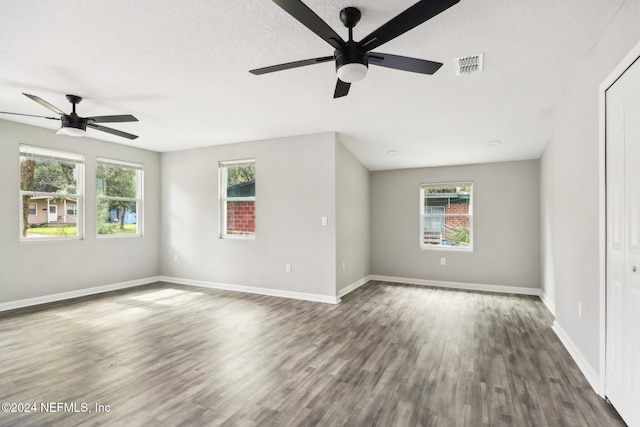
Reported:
(547, 301)
(590, 374)
(254, 290)
(12, 305)
(459, 285)
(352, 287)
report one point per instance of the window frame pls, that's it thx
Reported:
(224, 199)
(423, 216)
(139, 199)
(78, 159)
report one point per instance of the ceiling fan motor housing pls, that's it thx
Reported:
(73, 121)
(352, 63)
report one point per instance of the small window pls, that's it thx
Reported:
(119, 199)
(71, 210)
(49, 181)
(238, 199)
(446, 213)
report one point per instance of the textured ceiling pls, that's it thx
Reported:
(181, 67)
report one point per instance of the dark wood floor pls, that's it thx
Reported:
(388, 355)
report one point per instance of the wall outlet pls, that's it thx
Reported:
(579, 309)
(325, 221)
(443, 261)
(287, 268)
(175, 258)
(344, 265)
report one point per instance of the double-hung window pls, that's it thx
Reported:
(446, 215)
(51, 182)
(119, 198)
(238, 199)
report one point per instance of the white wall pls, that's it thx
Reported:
(295, 187)
(570, 190)
(506, 226)
(352, 218)
(30, 270)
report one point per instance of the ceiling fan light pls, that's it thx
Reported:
(353, 72)
(71, 131)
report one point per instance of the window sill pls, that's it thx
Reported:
(117, 236)
(31, 240)
(447, 248)
(237, 237)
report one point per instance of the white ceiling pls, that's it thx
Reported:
(181, 67)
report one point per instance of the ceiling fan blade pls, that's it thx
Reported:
(112, 131)
(113, 119)
(410, 18)
(309, 19)
(289, 65)
(404, 63)
(45, 104)
(30, 115)
(342, 89)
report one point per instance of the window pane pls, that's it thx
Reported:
(457, 232)
(116, 181)
(447, 210)
(241, 218)
(48, 217)
(48, 175)
(117, 217)
(241, 180)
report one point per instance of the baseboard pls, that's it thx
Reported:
(547, 301)
(352, 287)
(592, 377)
(459, 285)
(12, 305)
(254, 290)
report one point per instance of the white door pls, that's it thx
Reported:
(53, 213)
(623, 245)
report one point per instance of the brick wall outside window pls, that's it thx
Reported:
(457, 208)
(241, 218)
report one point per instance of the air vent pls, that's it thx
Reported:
(469, 64)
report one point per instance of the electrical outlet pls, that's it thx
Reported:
(325, 221)
(287, 268)
(175, 258)
(443, 261)
(344, 265)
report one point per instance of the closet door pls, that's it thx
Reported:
(623, 245)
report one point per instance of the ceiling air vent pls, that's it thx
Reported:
(469, 64)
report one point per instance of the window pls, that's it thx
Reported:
(446, 213)
(49, 181)
(71, 210)
(238, 199)
(119, 199)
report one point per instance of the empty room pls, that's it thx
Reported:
(310, 213)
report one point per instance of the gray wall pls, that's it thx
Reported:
(352, 218)
(570, 170)
(29, 270)
(295, 187)
(506, 225)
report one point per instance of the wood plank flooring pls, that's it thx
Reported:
(388, 355)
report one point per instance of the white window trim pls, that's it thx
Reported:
(469, 217)
(139, 200)
(65, 156)
(222, 178)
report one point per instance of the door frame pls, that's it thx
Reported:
(619, 70)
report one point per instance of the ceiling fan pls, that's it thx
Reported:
(353, 58)
(74, 125)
